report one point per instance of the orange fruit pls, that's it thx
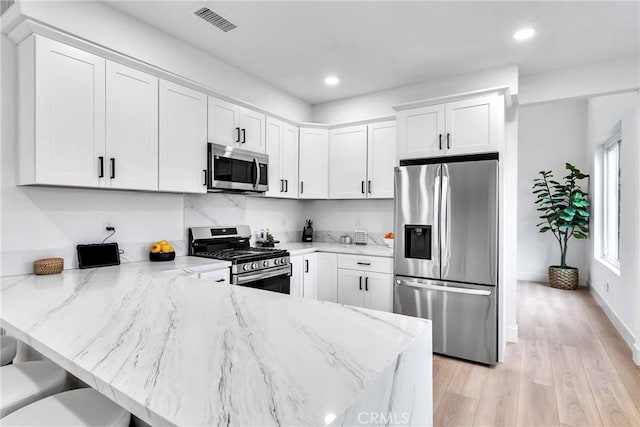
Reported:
(166, 248)
(155, 248)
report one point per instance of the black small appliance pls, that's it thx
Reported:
(307, 231)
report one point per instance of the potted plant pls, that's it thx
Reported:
(564, 209)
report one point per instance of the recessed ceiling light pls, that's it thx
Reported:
(331, 81)
(524, 34)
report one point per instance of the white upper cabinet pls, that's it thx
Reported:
(282, 149)
(314, 163)
(468, 126)
(348, 162)
(252, 131)
(234, 126)
(472, 125)
(131, 160)
(381, 160)
(420, 132)
(183, 139)
(274, 145)
(223, 122)
(61, 114)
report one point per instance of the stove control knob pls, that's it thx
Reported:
(276, 261)
(283, 261)
(245, 267)
(254, 265)
(265, 264)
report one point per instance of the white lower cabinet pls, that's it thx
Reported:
(216, 276)
(364, 287)
(303, 276)
(327, 276)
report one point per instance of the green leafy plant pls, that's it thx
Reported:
(563, 207)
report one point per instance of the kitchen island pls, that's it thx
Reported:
(179, 351)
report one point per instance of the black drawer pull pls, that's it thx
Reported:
(364, 263)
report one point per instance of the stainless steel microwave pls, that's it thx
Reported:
(235, 169)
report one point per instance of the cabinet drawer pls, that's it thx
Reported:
(366, 263)
(217, 276)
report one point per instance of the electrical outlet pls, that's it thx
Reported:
(107, 223)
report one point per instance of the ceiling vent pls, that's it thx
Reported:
(214, 19)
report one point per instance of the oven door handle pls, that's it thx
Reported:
(241, 279)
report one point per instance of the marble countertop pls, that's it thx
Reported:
(179, 351)
(370, 250)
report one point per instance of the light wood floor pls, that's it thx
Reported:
(570, 367)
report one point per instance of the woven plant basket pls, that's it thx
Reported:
(563, 277)
(48, 266)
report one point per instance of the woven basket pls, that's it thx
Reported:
(563, 277)
(48, 266)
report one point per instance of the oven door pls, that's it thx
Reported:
(235, 169)
(274, 279)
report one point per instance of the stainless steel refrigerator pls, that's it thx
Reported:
(446, 251)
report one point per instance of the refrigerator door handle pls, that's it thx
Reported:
(443, 288)
(445, 222)
(436, 220)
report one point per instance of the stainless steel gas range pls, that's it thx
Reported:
(261, 268)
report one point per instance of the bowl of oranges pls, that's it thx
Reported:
(162, 251)
(388, 239)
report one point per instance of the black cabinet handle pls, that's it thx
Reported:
(448, 141)
(281, 185)
(366, 283)
(369, 186)
(363, 263)
(440, 140)
(301, 187)
(360, 282)
(362, 187)
(204, 172)
(244, 136)
(286, 185)
(220, 280)
(306, 265)
(237, 134)
(113, 167)
(101, 160)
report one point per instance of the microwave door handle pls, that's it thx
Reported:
(257, 166)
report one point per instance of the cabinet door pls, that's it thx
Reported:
(472, 125)
(314, 164)
(348, 162)
(69, 115)
(309, 276)
(327, 276)
(379, 291)
(223, 122)
(183, 139)
(289, 161)
(274, 135)
(132, 129)
(351, 287)
(295, 284)
(252, 130)
(381, 159)
(421, 132)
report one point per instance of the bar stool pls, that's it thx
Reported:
(26, 382)
(8, 348)
(82, 407)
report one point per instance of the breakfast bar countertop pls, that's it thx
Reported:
(174, 350)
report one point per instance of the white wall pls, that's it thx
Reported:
(550, 134)
(103, 25)
(622, 301)
(379, 104)
(334, 218)
(584, 81)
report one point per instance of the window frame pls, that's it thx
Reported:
(611, 200)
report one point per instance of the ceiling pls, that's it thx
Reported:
(377, 45)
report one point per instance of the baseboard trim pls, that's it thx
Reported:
(512, 334)
(544, 278)
(620, 326)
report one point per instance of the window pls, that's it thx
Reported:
(611, 206)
